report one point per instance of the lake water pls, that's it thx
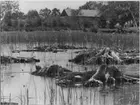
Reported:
(17, 83)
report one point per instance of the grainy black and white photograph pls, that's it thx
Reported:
(63, 52)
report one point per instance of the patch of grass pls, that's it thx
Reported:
(123, 41)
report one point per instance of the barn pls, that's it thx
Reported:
(84, 19)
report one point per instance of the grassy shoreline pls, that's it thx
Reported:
(123, 41)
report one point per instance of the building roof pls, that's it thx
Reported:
(67, 12)
(89, 13)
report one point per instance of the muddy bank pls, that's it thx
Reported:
(9, 103)
(9, 59)
(51, 48)
(67, 78)
(106, 56)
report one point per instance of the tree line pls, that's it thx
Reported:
(111, 13)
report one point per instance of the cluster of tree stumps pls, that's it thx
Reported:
(104, 75)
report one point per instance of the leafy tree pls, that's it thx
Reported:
(92, 5)
(18, 19)
(18, 15)
(44, 13)
(109, 14)
(121, 11)
(33, 18)
(32, 14)
(128, 11)
(55, 12)
(6, 8)
(7, 19)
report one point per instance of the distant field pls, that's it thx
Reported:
(123, 41)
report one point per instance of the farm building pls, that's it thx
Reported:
(84, 18)
(89, 18)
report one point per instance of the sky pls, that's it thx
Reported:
(26, 5)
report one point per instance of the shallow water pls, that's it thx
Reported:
(17, 83)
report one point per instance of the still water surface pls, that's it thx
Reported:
(17, 83)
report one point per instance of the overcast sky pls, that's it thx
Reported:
(25, 5)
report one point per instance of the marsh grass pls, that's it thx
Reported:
(123, 41)
(55, 95)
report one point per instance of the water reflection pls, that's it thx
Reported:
(17, 81)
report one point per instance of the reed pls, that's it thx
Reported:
(123, 41)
